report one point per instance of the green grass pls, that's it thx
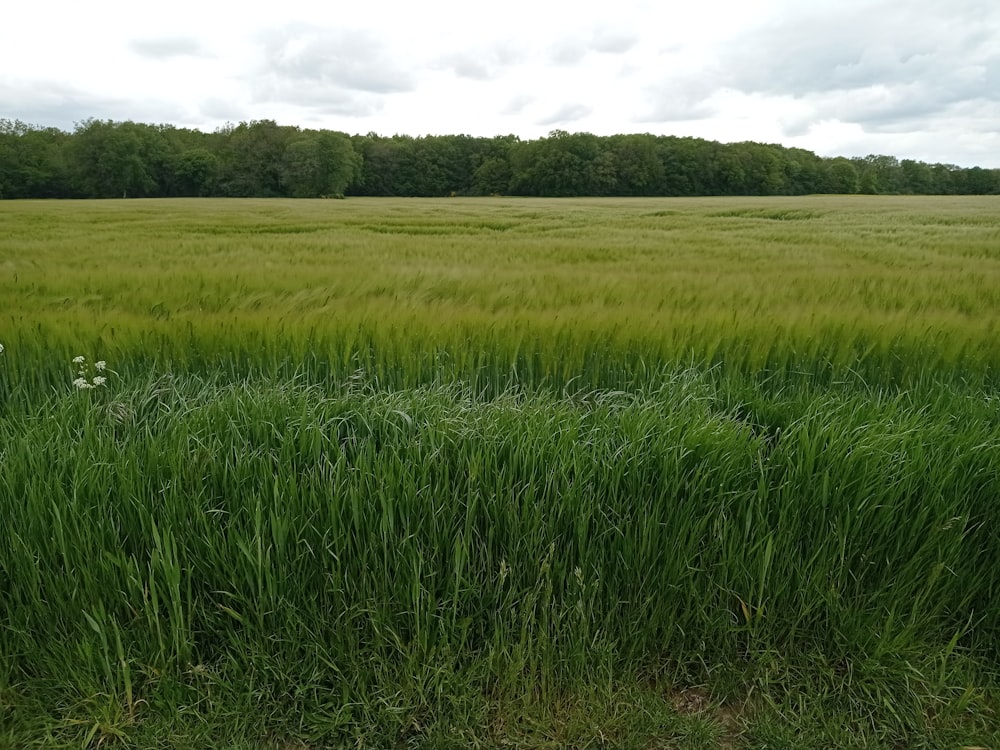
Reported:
(352, 499)
(887, 285)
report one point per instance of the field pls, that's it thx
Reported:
(672, 473)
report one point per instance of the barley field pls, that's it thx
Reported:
(380, 473)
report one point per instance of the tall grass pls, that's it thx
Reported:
(420, 529)
(377, 557)
(885, 285)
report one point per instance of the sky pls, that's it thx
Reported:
(917, 79)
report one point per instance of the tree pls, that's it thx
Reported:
(979, 181)
(943, 183)
(261, 158)
(917, 177)
(804, 171)
(635, 166)
(842, 177)
(32, 161)
(319, 163)
(251, 159)
(381, 159)
(880, 174)
(493, 174)
(195, 173)
(117, 159)
(689, 166)
(751, 169)
(561, 165)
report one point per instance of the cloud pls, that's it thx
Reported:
(566, 114)
(889, 108)
(222, 109)
(166, 48)
(484, 63)
(328, 71)
(614, 42)
(918, 78)
(517, 104)
(332, 59)
(678, 99)
(322, 99)
(571, 51)
(871, 68)
(56, 104)
(889, 68)
(466, 66)
(568, 52)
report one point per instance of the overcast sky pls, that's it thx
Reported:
(913, 78)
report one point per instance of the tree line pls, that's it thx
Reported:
(106, 159)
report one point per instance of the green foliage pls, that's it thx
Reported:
(500, 472)
(196, 172)
(32, 162)
(117, 159)
(561, 165)
(637, 169)
(843, 177)
(252, 157)
(318, 164)
(408, 553)
(264, 159)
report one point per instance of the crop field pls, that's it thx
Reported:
(421, 473)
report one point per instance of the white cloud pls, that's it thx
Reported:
(167, 47)
(517, 104)
(341, 59)
(566, 115)
(918, 78)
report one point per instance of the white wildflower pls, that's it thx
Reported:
(87, 377)
(1, 348)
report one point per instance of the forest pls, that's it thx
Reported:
(109, 159)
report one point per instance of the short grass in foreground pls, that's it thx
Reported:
(563, 522)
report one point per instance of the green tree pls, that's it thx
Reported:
(916, 177)
(381, 163)
(750, 169)
(690, 166)
(561, 165)
(32, 161)
(112, 159)
(251, 158)
(842, 177)
(880, 174)
(319, 163)
(635, 164)
(943, 182)
(195, 173)
(492, 175)
(979, 181)
(804, 171)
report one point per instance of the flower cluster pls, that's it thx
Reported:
(83, 380)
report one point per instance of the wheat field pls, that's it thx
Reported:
(500, 473)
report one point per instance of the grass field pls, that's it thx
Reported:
(488, 473)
